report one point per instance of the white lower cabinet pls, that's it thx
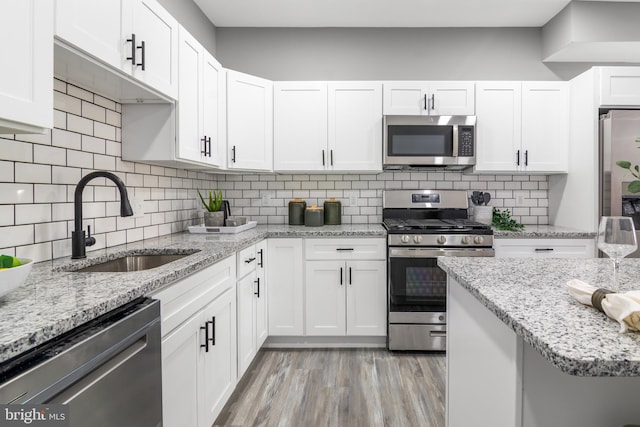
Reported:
(198, 345)
(345, 284)
(544, 248)
(252, 304)
(285, 292)
(345, 298)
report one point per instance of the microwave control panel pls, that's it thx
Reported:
(465, 141)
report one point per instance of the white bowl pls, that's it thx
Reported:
(12, 278)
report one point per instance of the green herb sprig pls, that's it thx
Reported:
(502, 221)
(214, 202)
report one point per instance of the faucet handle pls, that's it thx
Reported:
(89, 241)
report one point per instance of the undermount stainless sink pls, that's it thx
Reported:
(132, 263)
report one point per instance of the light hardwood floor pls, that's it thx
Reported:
(339, 388)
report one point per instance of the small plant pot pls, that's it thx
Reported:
(214, 219)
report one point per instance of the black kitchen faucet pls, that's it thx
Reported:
(79, 241)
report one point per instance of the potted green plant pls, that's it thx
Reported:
(214, 216)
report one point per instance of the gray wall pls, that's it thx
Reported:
(389, 53)
(191, 17)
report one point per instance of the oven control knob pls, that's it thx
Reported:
(441, 240)
(466, 240)
(478, 240)
(417, 239)
(404, 239)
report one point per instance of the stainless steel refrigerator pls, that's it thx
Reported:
(620, 166)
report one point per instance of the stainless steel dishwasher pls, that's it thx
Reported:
(108, 371)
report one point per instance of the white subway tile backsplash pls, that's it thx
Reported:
(16, 151)
(49, 193)
(59, 85)
(30, 214)
(62, 211)
(79, 124)
(59, 119)
(49, 231)
(17, 235)
(38, 252)
(92, 144)
(102, 130)
(104, 102)
(79, 93)
(79, 159)
(66, 103)
(104, 162)
(36, 138)
(65, 139)
(93, 112)
(6, 171)
(113, 148)
(49, 155)
(65, 175)
(16, 193)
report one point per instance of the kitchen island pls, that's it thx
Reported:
(54, 299)
(522, 352)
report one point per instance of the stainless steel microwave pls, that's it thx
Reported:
(428, 141)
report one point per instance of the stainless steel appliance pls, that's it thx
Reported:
(423, 225)
(619, 132)
(428, 141)
(108, 371)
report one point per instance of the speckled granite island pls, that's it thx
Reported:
(522, 352)
(54, 299)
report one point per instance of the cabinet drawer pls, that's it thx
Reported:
(544, 248)
(247, 261)
(184, 298)
(345, 248)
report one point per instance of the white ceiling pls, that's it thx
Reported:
(381, 13)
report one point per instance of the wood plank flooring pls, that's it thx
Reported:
(339, 388)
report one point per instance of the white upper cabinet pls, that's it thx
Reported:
(418, 98)
(522, 127)
(620, 86)
(355, 126)
(137, 37)
(100, 38)
(300, 126)
(156, 34)
(26, 83)
(249, 122)
(198, 103)
(545, 126)
(320, 126)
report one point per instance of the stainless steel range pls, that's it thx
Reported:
(423, 225)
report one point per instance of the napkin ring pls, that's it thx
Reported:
(597, 297)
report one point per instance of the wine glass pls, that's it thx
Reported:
(617, 239)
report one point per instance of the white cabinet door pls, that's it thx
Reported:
(249, 122)
(438, 98)
(366, 298)
(285, 296)
(262, 314)
(101, 38)
(26, 83)
(498, 132)
(190, 115)
(299, 126)
(355, 126)
(620, 86)
(246, 322)
(545, 126)
(405, 98)
(325, 298)
(452, 98)
(181, 372)
(212, 109)
(219, 362)
(157, 46)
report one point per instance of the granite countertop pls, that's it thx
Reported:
(54, 300)
(531, 298)
(544, 232)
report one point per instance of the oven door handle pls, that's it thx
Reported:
(432, 253)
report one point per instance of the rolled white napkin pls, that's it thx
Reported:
(622, 307)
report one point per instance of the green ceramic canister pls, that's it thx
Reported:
(314, 216)
(332, 212)
(296, 211)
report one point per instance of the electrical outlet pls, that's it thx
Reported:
(520, 196)
(353, 199)
(266, 199)
(137, 204)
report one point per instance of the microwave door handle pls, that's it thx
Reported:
(455, 141)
